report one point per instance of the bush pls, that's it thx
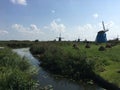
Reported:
(69, 63)
(37, 49)
(101, 48)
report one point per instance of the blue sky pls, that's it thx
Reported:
(45, 19)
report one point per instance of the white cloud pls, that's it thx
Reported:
(2, 32)
(35, 28)
(32, 29)
(95, 15)
(21, 2)
(17, 26)
(57, 27)
(110, 24)
(54, 28)
(51, 31)
(114, 29)
(31, 32)
(87, 31)
(13, 1)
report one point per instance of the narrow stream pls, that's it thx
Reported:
(45, 78)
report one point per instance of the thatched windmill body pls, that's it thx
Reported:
(101, 35)
(60, 38)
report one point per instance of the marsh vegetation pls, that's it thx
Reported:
(15, 72)
(71, 60)
(79, 64)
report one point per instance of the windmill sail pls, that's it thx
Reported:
(103, 25)
(105, 30)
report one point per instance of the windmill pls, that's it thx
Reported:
(117, 38)
(60, 38)
(101, 35)
(78, 40)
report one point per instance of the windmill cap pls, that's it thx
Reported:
(102, 31)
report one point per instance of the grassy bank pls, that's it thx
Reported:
(79, 63)
(16, 44)
(15, 72)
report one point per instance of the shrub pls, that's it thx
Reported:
(101, 48)
(69, 63)
(37, 49)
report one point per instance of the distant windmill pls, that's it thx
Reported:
(60, 38)
(78, 40)
(117, 38)
(101, 35)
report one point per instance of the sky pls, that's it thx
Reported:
(46, 19)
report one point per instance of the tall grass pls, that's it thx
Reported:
(14, 72)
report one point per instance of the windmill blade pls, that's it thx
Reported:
(106, 30)
(103, 25)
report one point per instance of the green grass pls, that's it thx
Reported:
(109, 61)
(111, 73)
(15, 72)
(62, 57)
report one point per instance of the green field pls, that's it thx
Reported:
(79, 63)
(61, 58)
(107, 63)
